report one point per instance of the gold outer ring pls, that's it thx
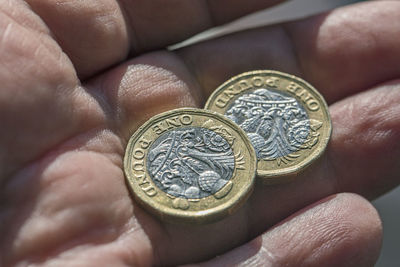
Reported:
(179, 210)
(228, 92)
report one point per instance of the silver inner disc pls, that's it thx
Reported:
(276, 123)
(190, 162)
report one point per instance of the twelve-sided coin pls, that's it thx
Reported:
(285, 118)
(190, 166)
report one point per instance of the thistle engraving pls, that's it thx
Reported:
(276, 124)
(190, 163)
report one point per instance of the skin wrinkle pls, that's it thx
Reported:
(119, 249)
(258, 254)
(372, 118)
(339, 35)
(272, 50)
(5, 34)
(332, 230)
(154, 231)
(330, 237)
(132, 235)
(207, 253)
(135, 228)
(321, 234)
(60, 143)
(93, 237)
(21, 13)
(107, 41)
(263, 258)
(76, 223)
(82, 142)
(163, 60)
(42, 34)
(15, 45)
(61, 151)
(70, 251)
(153, 83)
(195, 90)
(297, 193)
(131, 78)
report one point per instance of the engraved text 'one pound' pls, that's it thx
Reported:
(138, 167)
(254, 82)
(305, 96)
(172, 123)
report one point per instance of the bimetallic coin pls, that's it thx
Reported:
(190, 166)
(285, 118)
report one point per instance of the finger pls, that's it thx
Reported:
(37, 80)
(70, 206)
(97, 34)
(365, 141)
(342, 230)
(340, 53)
(145, 86)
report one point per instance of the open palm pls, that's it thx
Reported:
(70, 99)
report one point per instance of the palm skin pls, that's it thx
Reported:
(65, 123)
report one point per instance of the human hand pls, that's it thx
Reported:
(65, 124)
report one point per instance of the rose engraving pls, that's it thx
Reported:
(276, 124)
(191, 163)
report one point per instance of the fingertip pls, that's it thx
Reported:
(352, 236)
(341, 230)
